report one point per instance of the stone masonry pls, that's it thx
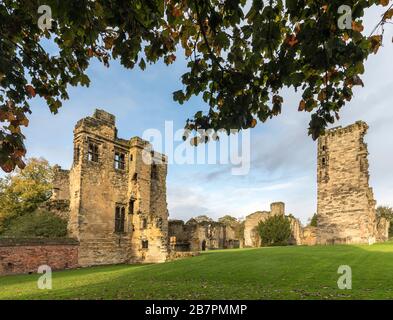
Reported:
(251, 236)
(117, 195)
(204, 235)
(346, 205)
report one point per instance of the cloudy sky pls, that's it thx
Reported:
(283, 157)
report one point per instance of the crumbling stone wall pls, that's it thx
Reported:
(25, 256)
(309, 236)
(346, 206)
(251, 235)
(110, 174)
(296, 228)
(59, 207)
(198, 235)
(383, 225)
(61, 184)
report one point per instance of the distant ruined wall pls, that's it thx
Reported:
(60, 208)
(277, 209)
(59, 202)
(296, 234)
(202, 235)
(383, 225)
(309, 236)
(251, 235)
(61, 184)
(346, 206)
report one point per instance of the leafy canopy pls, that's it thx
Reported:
(241, 54)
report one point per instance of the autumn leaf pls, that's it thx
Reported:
(322, 96)
(388, 14)
(108, 42)
(384, 2)
(30, 90)
(253, 123)
(302, 105)
(170, 59)
(357, 26)
(90, 52)
(291, 40)
(376, 42)
(8, 166)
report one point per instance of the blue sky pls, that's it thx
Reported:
(283, 157)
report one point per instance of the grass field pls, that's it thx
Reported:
(263, 273)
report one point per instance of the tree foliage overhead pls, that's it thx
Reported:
(241, 54)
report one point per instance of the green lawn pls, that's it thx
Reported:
(263, 273)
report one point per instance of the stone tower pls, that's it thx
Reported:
(118, 208)
(346, 206)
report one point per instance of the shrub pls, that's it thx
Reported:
(275, 231)
(37, 224)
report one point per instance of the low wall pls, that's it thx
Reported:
(26, 255)
(176, 255)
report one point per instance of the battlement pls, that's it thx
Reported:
(104, 116)
(359, 125)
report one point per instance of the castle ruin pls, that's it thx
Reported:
(251, 234)
(346, 206)
(116, 190)
(203, 234)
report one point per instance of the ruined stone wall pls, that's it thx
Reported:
(98, 187)
(383, 225)
(309, 236)
(346, 207)
(25, 256)
(61, 208)
(61, 184)
(251, 235)
(202, 235)
(178, 229)
(277, 209)
(296, 228)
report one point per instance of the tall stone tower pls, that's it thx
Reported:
(118, 208)
(346, 206)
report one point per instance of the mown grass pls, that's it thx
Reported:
(263, 273)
